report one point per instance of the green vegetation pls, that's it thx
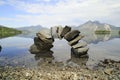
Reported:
(119, 32)
(102, 32)
(6, 32)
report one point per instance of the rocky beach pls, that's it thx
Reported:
(107, 70)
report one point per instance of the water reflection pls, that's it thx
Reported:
(103, 37)
(81, 61)
(95, 38)
(47, 54)
(48, 58)
(43, 57)
(14, 51)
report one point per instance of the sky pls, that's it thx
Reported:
(48, 13)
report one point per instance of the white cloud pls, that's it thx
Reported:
(44, 0)
(67, 6)
(68, 11)
(2, 2)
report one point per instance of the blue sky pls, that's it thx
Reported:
(48, 13)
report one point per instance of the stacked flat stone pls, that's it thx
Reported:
(73, 37)
(42, 42)
(46, 37)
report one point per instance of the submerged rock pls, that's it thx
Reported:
(80, 51)
(33, 49)
(71, 35)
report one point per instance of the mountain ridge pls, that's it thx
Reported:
(30, 31)
(92, 26)
(31, 28)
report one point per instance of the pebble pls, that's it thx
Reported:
(108, 71)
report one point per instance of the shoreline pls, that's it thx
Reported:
(108, 70)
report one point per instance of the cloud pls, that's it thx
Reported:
(44, 0)
(63, 12)
(2, 2)
(68, 6)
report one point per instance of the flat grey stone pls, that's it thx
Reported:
(80, 51)
(45, 35)
(65, 30)
(60, 29)
(54, 32)
(71, 35)
(74, 41)
(41, 44)
(79, 45)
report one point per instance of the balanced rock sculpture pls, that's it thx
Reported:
(44, 40)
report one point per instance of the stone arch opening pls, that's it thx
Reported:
(44, 40)
(61, 50)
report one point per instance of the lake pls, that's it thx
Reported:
(15, 51)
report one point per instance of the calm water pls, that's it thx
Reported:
(15, 51)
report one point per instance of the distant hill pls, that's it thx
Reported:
(31, 28)
(92, 26)
(30, 31)
(88, 29)
(6, 32)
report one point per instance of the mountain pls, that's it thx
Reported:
(88, 30)
(30, 31)
(92, 26)
(6, 32)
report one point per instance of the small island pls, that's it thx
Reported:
(6, 32)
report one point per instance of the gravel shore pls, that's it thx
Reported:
(108, 70)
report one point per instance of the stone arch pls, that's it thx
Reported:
(44, 40)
